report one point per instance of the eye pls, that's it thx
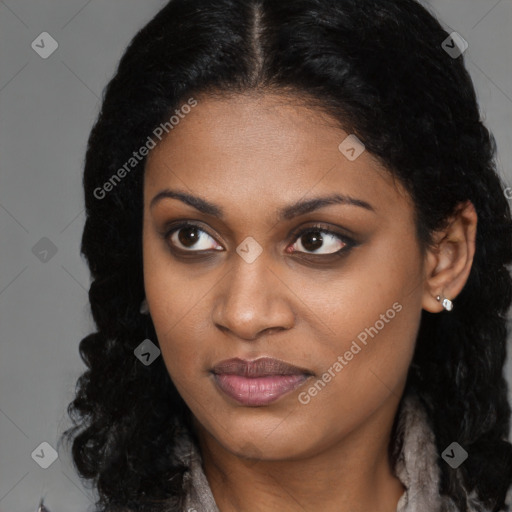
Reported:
(315, 238)
(190, 237)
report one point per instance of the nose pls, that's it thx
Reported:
(253, 300)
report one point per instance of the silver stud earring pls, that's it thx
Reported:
(144, 309)
(447, 303)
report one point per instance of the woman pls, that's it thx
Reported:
(298, 243)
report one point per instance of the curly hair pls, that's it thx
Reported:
(378, 68)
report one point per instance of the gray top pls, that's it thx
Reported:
(416, 467)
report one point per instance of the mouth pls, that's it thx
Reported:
(258, 382)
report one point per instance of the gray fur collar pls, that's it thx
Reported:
(416, 467)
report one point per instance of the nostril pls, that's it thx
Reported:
(271, 330)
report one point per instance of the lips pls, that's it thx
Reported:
(258, 382)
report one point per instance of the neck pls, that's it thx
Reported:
(353, 474)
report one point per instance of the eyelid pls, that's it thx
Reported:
(297, 232)
(171, 228)
(347, 241)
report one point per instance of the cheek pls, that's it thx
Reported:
(174, 290)
(179, 325)
(372, 312)
(172, 302)
(379, 274)
(360, 368)
(183, 344)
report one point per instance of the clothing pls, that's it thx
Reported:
(416, 468)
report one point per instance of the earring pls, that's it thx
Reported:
(447, 303)
(144, 309)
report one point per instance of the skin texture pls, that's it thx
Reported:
(252, 155)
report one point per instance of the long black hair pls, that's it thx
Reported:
(379, 68)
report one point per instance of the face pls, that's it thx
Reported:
(266, 268)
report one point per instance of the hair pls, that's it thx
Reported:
(378, 68)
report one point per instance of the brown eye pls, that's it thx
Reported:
(191, 238)
(312, 240)
(315, 239)
(188, 236)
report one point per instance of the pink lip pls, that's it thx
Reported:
(258, 382)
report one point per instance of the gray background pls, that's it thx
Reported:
(47, 107)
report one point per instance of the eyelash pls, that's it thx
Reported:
(348, 242)
(296, 234)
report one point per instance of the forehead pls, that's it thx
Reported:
(256, 150)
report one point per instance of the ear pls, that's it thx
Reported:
(448, 262)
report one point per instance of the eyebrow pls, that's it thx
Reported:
(286, 213)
